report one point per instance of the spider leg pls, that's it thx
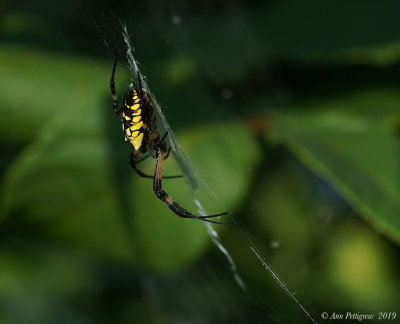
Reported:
(167, 154)
(168, 201)
(133, 163)
(112, 86)
(164, 137)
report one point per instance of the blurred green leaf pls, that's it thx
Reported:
(66, 184)
(383, 56)
(376, 104)
(359, 267)
(225, 155)
(360, 157)
(37, 85)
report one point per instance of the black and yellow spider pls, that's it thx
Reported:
(139, 124)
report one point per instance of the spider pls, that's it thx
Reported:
(139, 123)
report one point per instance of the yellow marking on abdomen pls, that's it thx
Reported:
(135, 126)
(136, 119)
(133, 121)
(137, 113)
(137, 141)
(133, 132)
(126, 117)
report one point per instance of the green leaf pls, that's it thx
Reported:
(378, 104)
(37, 85)
(75, 183)
(381, 56)
(358, 156)
(368, 278)
(225, 155)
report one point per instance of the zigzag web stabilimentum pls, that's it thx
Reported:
(194, 179)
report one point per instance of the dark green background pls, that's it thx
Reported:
(290, 110)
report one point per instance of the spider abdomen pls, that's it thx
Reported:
(132, 119)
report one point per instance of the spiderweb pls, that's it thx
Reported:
(193, 181)
(191, 175)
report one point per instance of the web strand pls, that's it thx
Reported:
(193, 178)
